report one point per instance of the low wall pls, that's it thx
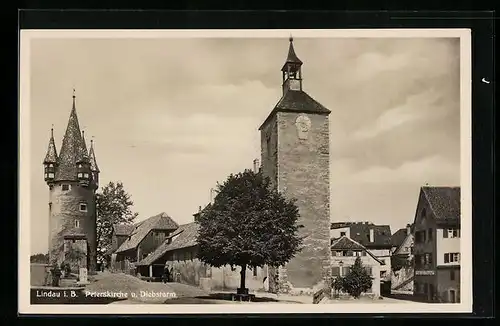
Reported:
(194, 272)
(38, 274)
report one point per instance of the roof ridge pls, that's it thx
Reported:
(429, 201)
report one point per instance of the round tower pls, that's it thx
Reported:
(72, 207)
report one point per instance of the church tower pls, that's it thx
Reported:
(72, 178)
(295, 142)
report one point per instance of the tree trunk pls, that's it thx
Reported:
(242, 289)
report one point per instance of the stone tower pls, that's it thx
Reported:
(72, 178)
(296, 157)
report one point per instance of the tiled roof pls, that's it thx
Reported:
(51, 156)
(185, 237)
(123, 229)
(360, 232)
(399, 237)
(93, 162)
(73, 149)
(345, 243)
(299, 102)
(158, 222)
(338, 225)
(444, 202)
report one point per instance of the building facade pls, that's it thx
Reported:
(437, 245)
(295, 144)
(142, 239)
(179, 254)
(403, 260)
(377, 239)
(345, 251)
(72, 178)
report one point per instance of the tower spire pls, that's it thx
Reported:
(93, 161)
(291, 70)
(73, 149)
(51, 156)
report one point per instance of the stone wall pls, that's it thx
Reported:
(63, 212)
(303, 174)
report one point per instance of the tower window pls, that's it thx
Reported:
(255, 271)
(65, 187)
(342, 234)
(85, 175)
(77, 223)
(83, 207)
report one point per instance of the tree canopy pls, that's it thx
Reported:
(114, 206)
(248, 224)
(357, 281)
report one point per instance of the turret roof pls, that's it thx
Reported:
(73, 149)
(51, 156)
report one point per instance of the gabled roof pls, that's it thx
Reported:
(297, 102)
(51, 156)
(73, 149)
(123, 229)
(158, 222)
(444, 202)
(399, 237)
(345, 243)
(184, 237)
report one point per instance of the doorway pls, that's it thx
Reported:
(453, 296)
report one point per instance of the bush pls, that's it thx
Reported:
(357, 281)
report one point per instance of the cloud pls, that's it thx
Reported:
(433, 170)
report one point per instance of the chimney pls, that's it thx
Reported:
(408, 229)
(372, 235)
(256, 165)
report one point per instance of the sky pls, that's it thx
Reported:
(171, 117)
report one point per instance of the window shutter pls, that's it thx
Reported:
(446, 258)
(335, 271)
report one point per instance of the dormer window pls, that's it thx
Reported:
(66, 187)
(51, 165)
(83, 207)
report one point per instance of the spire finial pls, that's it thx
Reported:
(74, 93)
(74, 97)
(291, 38)
(52, 131)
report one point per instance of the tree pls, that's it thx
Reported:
(248, 225)
(113, 206)
(39, 259)
(356, 281)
